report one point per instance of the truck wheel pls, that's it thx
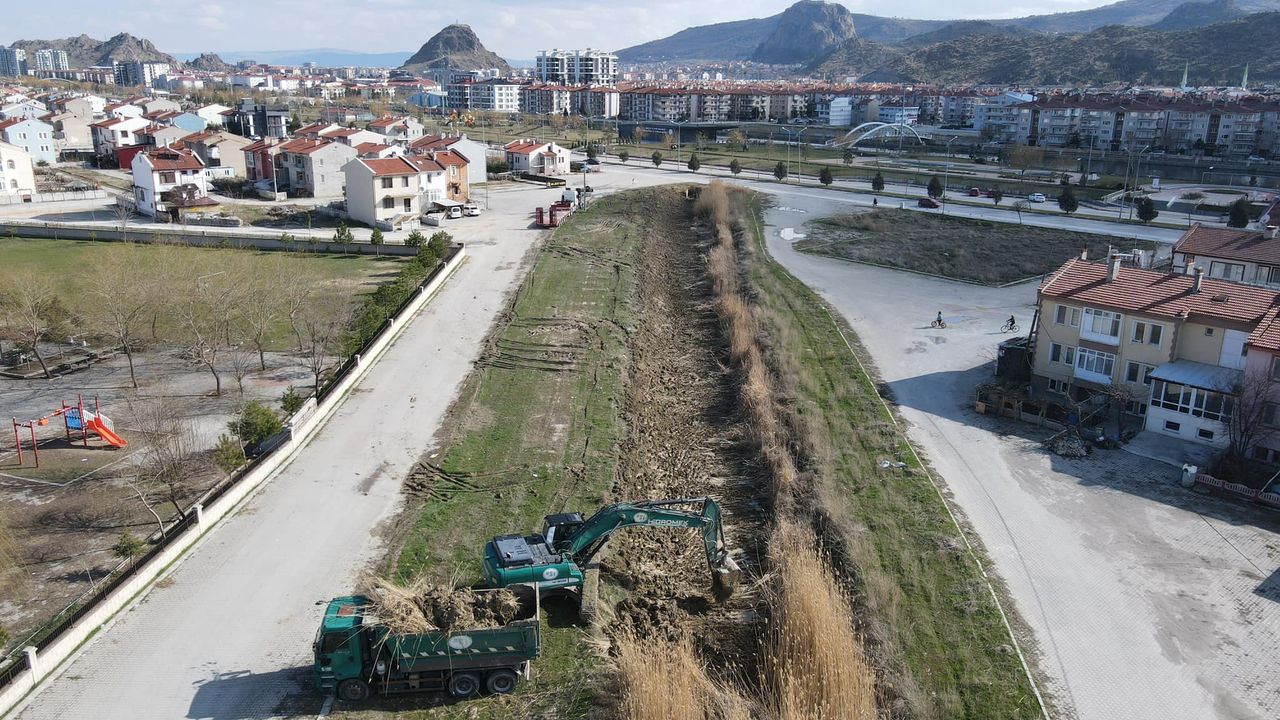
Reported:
(501, 682)
(464, 685)
(353, 690)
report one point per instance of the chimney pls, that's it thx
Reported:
(1199, 284)
(1271, 232)
(1113, 267)
(1084, 253)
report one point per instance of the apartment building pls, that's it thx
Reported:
(33, 136)
(496, 95)
(312, 168)
(1178, 342)
(576, 67)
(546, 99)
(51, 59)
(13, 62)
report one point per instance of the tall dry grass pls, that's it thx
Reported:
(667, 681)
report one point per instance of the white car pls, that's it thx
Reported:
(453, 213)
(1036, 197)
(471, 210)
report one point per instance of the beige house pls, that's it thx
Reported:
(393, 192)
(219, 148)
(1247, 256)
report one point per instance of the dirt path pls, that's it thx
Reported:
(684, 440)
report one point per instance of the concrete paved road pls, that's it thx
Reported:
(1145, 600)
(228, 634)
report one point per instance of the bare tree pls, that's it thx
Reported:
(123, 212)
(206, 312)
(167, 457)
(265, 301)
(295, 294)
(1250, 417)
(1119, 395)
(124, 294)
(30, 311)
(323, 323)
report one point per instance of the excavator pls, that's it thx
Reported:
(561, 557)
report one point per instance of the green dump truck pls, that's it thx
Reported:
(356, 656)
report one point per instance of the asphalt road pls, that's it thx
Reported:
(1145, 600)
(227, 634)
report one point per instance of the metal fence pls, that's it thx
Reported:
(49, 633)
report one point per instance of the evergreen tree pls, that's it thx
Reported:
(1067, 201)
(780, 171)
(824, 176)
(877, 182)
(1147, 210)
(694, 162)
(735, 167)
(935, 187)
(1238, 216)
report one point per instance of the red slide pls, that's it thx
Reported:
(104, 431)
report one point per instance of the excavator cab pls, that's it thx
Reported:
(558, 528)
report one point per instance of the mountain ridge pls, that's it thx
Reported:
(454, 46)
(84, 51)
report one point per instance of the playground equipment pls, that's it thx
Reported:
(77, 418)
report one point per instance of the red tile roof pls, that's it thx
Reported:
(172, 158)
(524, 147)
(1156, 293)
(1245, 245)
(1267, 334)
(371, 148)
(390, 166)
(10, 122)
(303, 146)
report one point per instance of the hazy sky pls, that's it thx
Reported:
(510, 28)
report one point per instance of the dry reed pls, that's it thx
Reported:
(422, 606)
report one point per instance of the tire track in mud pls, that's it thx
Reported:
(685, 439)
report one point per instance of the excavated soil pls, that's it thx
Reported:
(422, 607)
(685, 439)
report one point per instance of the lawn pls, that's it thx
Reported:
(70, 263)
(535, 430)
(936, 634)
(978, 251)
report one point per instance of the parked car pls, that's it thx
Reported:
(975, 192)
(990, 193)
(454, 212)
(928, 203)
(593, 161)
(471, 210)
(1037, 197)
(1257, 158)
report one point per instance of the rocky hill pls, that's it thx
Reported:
(744, 39)
(455, 47)
(1198, 14)
(961, 29)
(84, 51)
(1217, 55)
(209, 62)
(804, 30)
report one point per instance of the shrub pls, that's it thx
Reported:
(228, 454)
(935, 187)
(440, 242)
(1238, 214)
(343, 234)
(694, 162)
(780, 171)
(376, 237)
(496, 166)
(657, 158)
(415, 239)
(877, 182)
(735, 167)
(624, 156)
(824, 176)
(291, 401)
(256, 423)
(128, 546)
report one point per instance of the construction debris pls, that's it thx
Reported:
(423, 606)
(1067, 444)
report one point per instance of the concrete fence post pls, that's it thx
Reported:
(30, 652)
(199, 508)
(359, 360)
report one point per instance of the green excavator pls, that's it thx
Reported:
(561, 557)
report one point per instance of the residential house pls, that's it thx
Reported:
(212, 114)
(1247, 256)
(379, 150)
(392, 192)
(899, 113)
(120, 111)
(33, 136)
(353, 136)
(1178, 343)
(25, 108)
(89, 107)
(317, 130)
(17, 172)
(219, 149)
(476, 153)
(169, 182)
(71, 133)
(112, 135)
(313, 168)
(397, 129)
(156, 105)
(260, 159)
(537, 157)
(160, 136)
(255, 120)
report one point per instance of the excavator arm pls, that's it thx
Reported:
(702, 514)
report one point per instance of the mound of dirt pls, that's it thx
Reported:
(425, 607)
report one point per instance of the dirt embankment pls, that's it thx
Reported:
(685, 439)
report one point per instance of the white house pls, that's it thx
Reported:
(537, 157)
(24, 108)
(397, 129)
(473, 151)
(168, 181)
(17, 172)
(314, 167)
(120, 111)
(212, 114)
(392, 192)
(111, 135)
(32, 135)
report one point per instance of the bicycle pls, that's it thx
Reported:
(938, 324)
(1009, 327)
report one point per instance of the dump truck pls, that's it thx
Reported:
(561, 558)
(355, 656)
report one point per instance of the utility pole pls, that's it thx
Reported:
(946, 175)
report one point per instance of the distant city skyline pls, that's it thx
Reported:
(514, 30)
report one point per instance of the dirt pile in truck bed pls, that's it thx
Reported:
(422, 606)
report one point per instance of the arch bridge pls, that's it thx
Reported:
(869, 130)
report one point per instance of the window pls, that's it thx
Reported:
(1275, 368)
(11, 165)
(408, 204)
(1269, 413)
(386, 182)
(1204, 434)
(1133, 407)
(1101, 323)
(404, 181)
(1057, 386)
(166, 178)
(1172, 426)
(1208, 332)
(1226, 271)
(1092, 361)
(388, 203)
(1197, 402)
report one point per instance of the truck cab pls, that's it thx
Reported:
(340, 649)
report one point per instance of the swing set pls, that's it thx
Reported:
(75, 418)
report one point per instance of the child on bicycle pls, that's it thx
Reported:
(939, 320)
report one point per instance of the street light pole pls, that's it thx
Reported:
(946, 175)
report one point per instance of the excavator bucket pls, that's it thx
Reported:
(725, 578)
